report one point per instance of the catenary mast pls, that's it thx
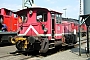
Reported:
(27, 3)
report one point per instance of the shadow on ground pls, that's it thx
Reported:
(50, 52)
(76, 51)
(5, 44)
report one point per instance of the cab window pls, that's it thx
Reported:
(9, 13)
(23, 17)
(53, 16)
(15, 15)
(58, 18)
(41, 16)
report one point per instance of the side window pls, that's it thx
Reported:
(9, 13)
(41, 16)
(1, 20)
(53, 16)
(15, 15)
(24, 18)
(58, 18)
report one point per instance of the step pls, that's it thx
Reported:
(52, 39)
(52, 48)
(64, 44)
(70, 44)
(51, 43)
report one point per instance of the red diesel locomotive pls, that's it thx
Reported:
(8, 25)
(75, 25)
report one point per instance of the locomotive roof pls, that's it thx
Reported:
(38, 8)
(7, 9)
(54, 11)
(71, 20)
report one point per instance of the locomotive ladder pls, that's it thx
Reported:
(51, 43)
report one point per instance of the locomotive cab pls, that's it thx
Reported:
(33, 18)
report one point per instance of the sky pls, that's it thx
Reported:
(71, 6)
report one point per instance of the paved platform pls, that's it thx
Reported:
(72, 54)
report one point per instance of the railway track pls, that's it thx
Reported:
(35, 55)
(14, 57)
(82, 42)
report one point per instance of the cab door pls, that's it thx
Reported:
(53, 24)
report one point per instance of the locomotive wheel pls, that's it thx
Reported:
(75, 39)
(20, 45)
(44, 46)
(72, 38)
(67, 39)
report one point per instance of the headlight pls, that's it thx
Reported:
(30, 12)
(45, 29)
